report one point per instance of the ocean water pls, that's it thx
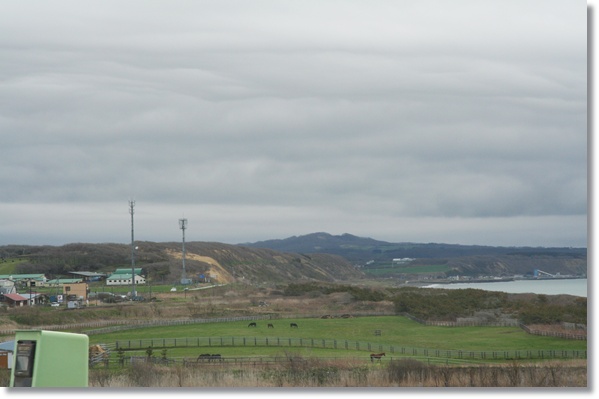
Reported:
(577, 287)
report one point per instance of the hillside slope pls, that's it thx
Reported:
(317, 256)
(162, 262)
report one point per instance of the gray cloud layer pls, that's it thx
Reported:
(460, 121)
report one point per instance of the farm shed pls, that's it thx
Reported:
(124, 279)
(127, 271)
(89, 276)
(29, 279)
(15, 300)
(36, 298)
(59, 282)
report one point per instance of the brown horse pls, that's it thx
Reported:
(270, 325)
(376, 356)
(98, 354)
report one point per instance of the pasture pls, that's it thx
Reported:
(9, 265)
(238, 339)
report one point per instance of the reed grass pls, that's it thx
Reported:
(313, 372)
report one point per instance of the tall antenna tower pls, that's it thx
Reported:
(133, 293)
(183, 226)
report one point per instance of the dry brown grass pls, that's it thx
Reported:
(313, 372)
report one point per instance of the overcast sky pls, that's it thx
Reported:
(421, 121)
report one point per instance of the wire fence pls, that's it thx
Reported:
(579, 335)
(576, 335)
(255, 361)
(221, 342)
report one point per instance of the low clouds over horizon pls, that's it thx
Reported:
(459, 122)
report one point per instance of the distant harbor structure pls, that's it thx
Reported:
(401, 261)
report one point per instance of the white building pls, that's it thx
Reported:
(124, 279)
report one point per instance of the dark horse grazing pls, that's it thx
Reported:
(203, 357)
(270, 326)
(292, 325)
(207, 357)
(252, 325)
(376, 356)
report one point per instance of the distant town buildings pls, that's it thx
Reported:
(72, 291)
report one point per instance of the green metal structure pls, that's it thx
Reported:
(50, 359)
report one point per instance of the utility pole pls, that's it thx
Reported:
(133, 293)
(183, 226)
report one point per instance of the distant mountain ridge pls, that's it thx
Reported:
(464, 259)
(317, 256)
(356, 248)
(316, 242)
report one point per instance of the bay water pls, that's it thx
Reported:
(576, 287)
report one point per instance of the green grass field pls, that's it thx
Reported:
(396, 331)
(9, 265)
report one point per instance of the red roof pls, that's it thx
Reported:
(15, 297)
